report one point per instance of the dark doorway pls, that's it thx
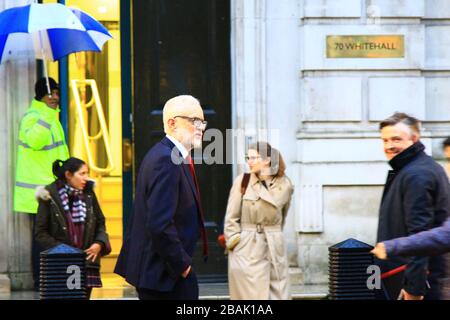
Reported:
(183, 47)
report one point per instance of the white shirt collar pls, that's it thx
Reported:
(179, 146)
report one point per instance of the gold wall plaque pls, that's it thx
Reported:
(366, 46)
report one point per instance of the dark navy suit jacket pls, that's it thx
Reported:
(164, 226)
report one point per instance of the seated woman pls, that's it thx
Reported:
(69, 213)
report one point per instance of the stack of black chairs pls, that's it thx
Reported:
(63, 273)
(348, 263)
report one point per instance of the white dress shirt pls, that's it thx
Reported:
(179, 146)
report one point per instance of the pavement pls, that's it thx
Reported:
(115, 288)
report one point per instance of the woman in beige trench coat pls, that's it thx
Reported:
(255, 216)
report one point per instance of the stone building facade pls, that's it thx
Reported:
(328, 109)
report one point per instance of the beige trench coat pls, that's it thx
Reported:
(257, 264)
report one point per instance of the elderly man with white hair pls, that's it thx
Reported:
(167, 219)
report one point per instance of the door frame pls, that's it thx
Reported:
(126, 57)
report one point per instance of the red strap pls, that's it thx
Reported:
(244, 183)
(392, 272)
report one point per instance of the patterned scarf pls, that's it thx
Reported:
(74, 206)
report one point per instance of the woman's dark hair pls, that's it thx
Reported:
(72, 165)
(265, 150)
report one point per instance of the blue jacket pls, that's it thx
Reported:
(426, 243)
(164, 227)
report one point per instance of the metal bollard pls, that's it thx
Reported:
(348, 264)
(63, 273)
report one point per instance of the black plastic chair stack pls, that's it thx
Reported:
(348, 263)
(57, 265)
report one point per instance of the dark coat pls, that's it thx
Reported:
(164, 226)
(51, 223)
(416, 197)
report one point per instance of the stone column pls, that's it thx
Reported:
(16, 91)
(248, 65)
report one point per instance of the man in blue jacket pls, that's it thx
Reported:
(416, 197)
(156, 256)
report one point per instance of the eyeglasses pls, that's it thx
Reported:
(198, 123)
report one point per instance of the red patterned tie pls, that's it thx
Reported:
(201, 222)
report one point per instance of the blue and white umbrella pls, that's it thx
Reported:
(48, 32)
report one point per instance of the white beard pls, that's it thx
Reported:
(196, 142)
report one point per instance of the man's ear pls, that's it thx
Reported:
(171, 123)
(415, 137)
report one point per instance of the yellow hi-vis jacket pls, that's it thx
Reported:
(41, 142)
